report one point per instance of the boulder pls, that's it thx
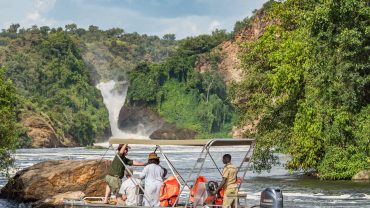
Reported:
(170, 131)
(362, 175)
(47, 183)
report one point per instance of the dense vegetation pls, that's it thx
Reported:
(307, 83)
(55, 71)
(8, 129)
(53, 82)
(183, 95)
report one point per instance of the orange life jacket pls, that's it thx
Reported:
(169, 191)
(195, 187)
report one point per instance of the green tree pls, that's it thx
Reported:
(170, 37)
(8, 129)
(306, 83)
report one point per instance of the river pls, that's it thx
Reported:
(298, 190)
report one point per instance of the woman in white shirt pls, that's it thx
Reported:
(153, 174)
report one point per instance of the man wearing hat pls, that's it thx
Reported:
(116, 171)
(153, 174)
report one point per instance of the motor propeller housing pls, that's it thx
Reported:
(271, 198)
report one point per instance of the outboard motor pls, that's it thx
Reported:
(271, 198)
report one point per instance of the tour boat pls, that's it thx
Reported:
(193, 190)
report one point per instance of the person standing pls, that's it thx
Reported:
(228, 182)
(153, 174)
(116, 171)
(129, 189)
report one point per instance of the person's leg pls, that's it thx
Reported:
(113, 185)
(229, 199)
(107, 192)
(156, 195)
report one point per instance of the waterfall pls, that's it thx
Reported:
(114, 96)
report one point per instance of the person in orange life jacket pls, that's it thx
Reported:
(116, 171)
(228, 182)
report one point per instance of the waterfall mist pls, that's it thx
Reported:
(114, 96)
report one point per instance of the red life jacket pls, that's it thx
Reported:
(169, 191)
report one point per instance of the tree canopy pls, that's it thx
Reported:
(307, 83)
(8, 128)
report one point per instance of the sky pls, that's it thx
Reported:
(153, 17)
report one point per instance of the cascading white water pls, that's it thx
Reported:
(114, 96)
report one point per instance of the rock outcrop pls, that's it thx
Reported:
(46, 183)
(139, 120)
(42, 133)
(170, 131)
(229, 62)
(362, 175)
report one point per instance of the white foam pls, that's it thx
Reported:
(323, 196)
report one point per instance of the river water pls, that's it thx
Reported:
(298, 190)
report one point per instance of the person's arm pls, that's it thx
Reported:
(164, 172)
(122, 150)
(225, 174)
(124, 197)
(122, 191)
(138, 163)
(222, 184)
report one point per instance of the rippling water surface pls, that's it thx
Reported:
(298, 190)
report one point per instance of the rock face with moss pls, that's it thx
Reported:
(139, 120)
(170, 131)
(46, 183)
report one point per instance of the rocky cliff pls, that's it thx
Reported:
(229, 63)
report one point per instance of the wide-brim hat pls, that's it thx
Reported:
(153, 155)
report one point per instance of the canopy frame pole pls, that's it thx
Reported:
(205, 148)
(136, 184)
(189, 178)
(172, 167)
(248, 155)
(214, 162)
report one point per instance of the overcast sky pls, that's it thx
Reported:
(153, 17)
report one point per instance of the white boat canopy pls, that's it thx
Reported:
(202, 142)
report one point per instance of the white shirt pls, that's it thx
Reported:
(152, 173)
(153, 180)
(128, 188)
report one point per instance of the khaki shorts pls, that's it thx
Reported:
(114, 183)
(229, 201)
